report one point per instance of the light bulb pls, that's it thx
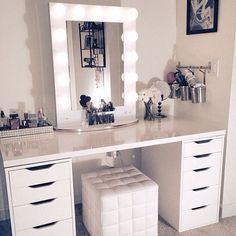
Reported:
(114, 14)
(96, 13)
(132, 97)
(132, 14)
(64, 102)
(131, 77)
(130, 36)
(63, 80)
(130, 57)
(61, 58)
(78, 12)
(59, 35)
(59, 10)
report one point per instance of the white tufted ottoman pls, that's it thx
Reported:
(120, 201)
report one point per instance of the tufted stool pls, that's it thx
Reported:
(120, 201)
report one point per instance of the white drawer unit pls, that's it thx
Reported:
(200, 197)
(189, 177)
(199, 216)
(61, 228)
(41, 199)
(203, 177)
(203, 146)
(41, 213)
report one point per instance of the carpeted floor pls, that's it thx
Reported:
(226, 227)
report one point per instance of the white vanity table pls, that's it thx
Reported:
(183, 156)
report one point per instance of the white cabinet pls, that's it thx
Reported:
(41, 199)
(189, 177)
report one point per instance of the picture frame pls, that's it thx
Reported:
(202, 16)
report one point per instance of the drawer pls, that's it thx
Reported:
(40, 192)
(40, 174)
(200, 197)
(199, 147)
(201, 178)
(199, 217)
(62, 228)
(202, 161)
(41, 213)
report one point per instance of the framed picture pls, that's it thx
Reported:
(202, 16)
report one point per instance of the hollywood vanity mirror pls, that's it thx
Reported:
(107, 71)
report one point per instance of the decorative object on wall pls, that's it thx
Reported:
(153, 98)
(202, 16)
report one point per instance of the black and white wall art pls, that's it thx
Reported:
(202, 16)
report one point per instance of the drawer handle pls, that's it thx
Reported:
(199, 189)
(40, 167)
(42, 202)
(202, 156)
(202, 169)
(198, 208)
(41, 185)
(203, 141)
(46, 225)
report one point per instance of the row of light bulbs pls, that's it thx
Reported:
(84, 13)
(97, 12)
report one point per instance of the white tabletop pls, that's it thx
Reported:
(58, 145)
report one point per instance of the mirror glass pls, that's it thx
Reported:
(95, 67)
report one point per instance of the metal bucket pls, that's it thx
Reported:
(185, 93)
(174, 91)
(198, 94)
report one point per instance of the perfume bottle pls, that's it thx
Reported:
(14, 121)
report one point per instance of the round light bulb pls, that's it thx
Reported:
(132, 14)
(129, 57)
(59, 35)
(132, 97)
(131, 77)
(130, 36)
(61, 58)
(78, 12)
(64, 102)
(114, 14)
(63, 80)
(59, 10)
(96, 13)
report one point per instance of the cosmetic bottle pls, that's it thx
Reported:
(14, 121)
(25, 122)
(33, 121)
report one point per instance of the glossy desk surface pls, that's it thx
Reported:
(58, 145)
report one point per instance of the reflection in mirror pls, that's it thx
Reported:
(96, 68)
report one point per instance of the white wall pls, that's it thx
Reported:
(199, 49)
(229, 193)
(26, 60)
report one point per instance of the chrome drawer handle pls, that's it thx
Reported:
(40, 167)
(46, 225)
(199, 189)
(203, 141)
(203, 155)
(43, 202)
(202, 169)
(41, 185)
(198, 208)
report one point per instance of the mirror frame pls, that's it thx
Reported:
(62, 12)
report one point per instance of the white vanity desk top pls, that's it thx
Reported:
(59, 145)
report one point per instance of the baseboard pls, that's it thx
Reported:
(4, 215)
(228, 210)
